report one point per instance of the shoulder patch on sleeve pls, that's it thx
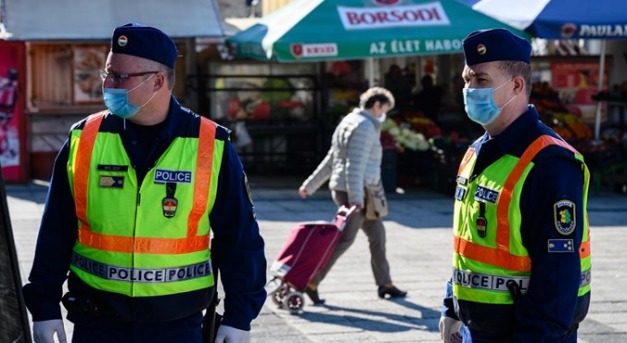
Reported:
(564, 217)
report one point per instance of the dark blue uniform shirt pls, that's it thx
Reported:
(550, 307)
(237, 247)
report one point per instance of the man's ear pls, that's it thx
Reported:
(519, 85)
(159, 81)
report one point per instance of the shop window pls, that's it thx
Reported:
(64, 77)
(51, 72)
(272, 109)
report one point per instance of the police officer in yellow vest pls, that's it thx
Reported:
(146, 198)
(521, 261)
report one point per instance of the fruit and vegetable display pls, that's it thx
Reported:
(408, 131)
(556, 115)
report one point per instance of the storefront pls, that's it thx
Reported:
(65, 46)
(565, 93)
(352, 45)
(273, 110)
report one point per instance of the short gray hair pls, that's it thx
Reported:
(518, 68)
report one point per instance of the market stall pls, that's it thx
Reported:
(58, 48)
(564, 19)
(606, 158)
(338, 34)
(273, 111)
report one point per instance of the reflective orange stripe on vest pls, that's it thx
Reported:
(149, 245)
(467, 156)
(500, 256)
(83, 160)
(204, 161)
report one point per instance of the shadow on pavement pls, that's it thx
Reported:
(388, 322)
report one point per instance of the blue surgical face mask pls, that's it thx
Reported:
(116, 100)
(480, 106)
(382, 117)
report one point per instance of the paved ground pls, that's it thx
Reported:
(418, 242)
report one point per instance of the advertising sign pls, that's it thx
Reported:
(12, 121)
(577, 82)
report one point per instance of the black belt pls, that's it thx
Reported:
(78, 304)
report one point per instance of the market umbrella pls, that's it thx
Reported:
(323, 30)
(563, 19)
(560, 19)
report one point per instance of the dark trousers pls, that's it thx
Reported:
(105, 330)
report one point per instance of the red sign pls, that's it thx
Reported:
(386, 2)
(12, 121)
(576, 83)
(357, 18)
(297, 50)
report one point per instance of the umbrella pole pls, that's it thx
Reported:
(597, 117)
(370, 61)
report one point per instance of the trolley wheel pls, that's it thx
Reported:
(294, 301)
(277, 298)
(279, 295)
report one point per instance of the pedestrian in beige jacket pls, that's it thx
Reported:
(352, 163)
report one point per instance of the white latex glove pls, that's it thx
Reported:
(43, 331)
(449, 330)
(228, 334)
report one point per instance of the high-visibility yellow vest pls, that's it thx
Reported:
(484, 261)
(143, 240)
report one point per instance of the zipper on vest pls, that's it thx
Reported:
(138, 202)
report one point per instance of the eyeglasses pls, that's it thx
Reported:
(119, 77)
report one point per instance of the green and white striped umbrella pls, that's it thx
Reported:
(322, 30)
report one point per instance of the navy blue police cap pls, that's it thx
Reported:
(144, 41)
(495, 45)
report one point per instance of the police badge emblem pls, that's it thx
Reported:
(122, 40)
(481, 49)
(169, 207)
(564, 217)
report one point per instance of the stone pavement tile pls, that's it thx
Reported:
(351, 293)
(419, 250)
(327, 323)
(270, 327)
(361, 337)
(594, 331)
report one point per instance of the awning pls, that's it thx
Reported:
(560, 19)
(321, 30)
(28, 20)
(564, 19)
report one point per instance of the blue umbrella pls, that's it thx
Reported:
(563, 19)
(560, 19)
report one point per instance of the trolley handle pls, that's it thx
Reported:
(343, 215)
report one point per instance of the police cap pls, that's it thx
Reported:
(495, 45)
(144, 41)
